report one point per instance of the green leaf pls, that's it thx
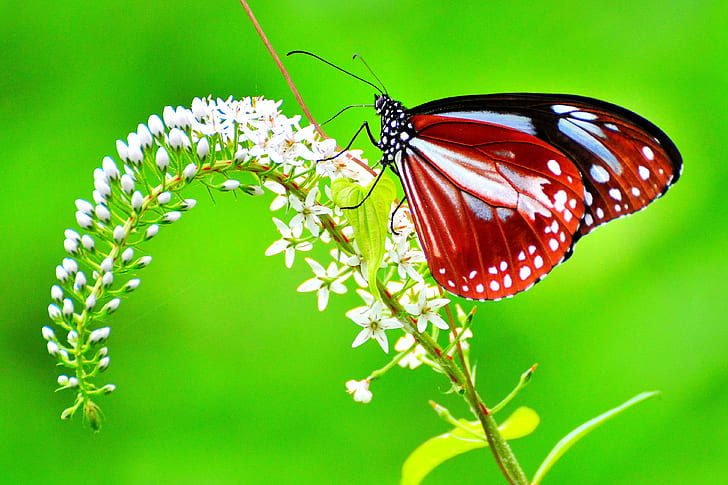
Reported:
(468, 436)
(570, 439)
(369, 220)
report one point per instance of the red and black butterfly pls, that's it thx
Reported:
(501, 186)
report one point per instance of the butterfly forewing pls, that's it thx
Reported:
(626, 162)
(495, 208)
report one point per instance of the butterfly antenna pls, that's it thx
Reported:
(348, 107)
(371, 71)
(340, 69)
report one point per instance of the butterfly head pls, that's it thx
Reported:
(396, 128)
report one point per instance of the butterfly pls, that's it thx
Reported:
(501, 186)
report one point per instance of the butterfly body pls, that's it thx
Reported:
(502, 186)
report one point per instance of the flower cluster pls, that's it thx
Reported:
(140, 191)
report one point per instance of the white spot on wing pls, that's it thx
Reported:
(554, 166)
(480, 288)
(644, 172)
(537, 262)
(507, 282)
(524, 273)
(648, 153)
(494, 285)
(615, 194)
(503, 265)
(553, 244)
(472, 274)
(599, 174)
(562, 108)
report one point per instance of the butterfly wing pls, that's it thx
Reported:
(625, 161)
(495, 208)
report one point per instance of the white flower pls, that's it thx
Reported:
(326, 281)
(230, 184)
(308, 212)
(360, 390)
(280, 200)
(413, 359)
(374, 324)
(405, 257)
(402, 222)
(426, 311)
(288, 244)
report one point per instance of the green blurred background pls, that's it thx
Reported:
(226, 375)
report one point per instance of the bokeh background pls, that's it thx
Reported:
(226, 375)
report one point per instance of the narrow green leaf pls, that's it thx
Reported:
(369, 220)
(467, 436)
(570, 439)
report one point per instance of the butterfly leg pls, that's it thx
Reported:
(371, 189)
(364, 126)
(394, 213)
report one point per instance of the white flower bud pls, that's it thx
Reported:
(231, 184)
(98, 198)
(107, 264)
(119, 233)
(127, 255)
(67, 307)
(254, 190)
(169, 117)
(104, 363)
(178, 139)
(143, 261)
(199, 108)
(108, 388)
(188, 204)
(103, 352)
(54, 312)
(190, 171)
(103, 187)
(48, 333)
(136, 155)
(53, 348)
(122, 149)
(203, 148)
(112, 171)
(172, 216)
(62, 380)
(70, 265)
(56, 293)
(84, 206)
(71, 234)
(137, 200)
(84, 220)
(151, 231)
(164, 197)
(112, 305)
(127, 183)
(72, 337)
(72, 382)
(90, 302)
(61, 274)
(70, 245)
(108, 279)
(132, 284)
(88, 242)
(155, 125)
(102, 212)
(145, 136)
(162, 159)
(241, 155)
(99, 174)
(99, 335)
(80, 281)
(182, 117)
